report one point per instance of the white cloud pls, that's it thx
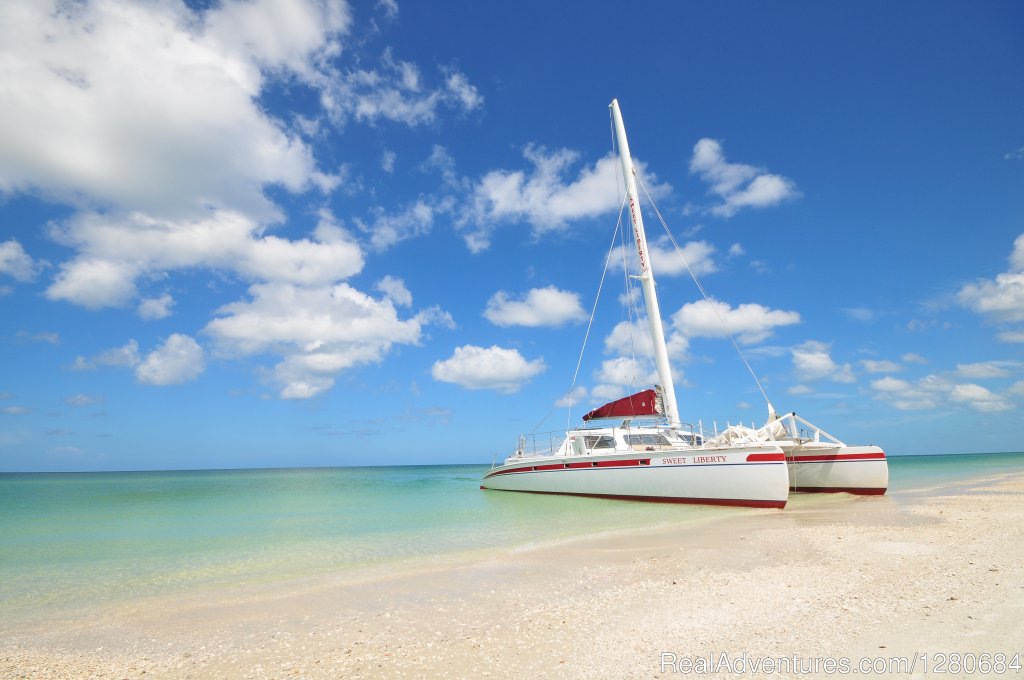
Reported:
(666, 260)
(736, 249)
(750, 323)
(416, 219)
(387, 161)
(27, 337)
(978, 398)
(114, 250)
(936, 391)
(15, 262)
(912, 358)
(156, 308)
(490, 368)
(737, 184)
(987, 369)
(812, 361)
(390, 8)
(178, 360)
(1015, 155)
(890, 384)
(543, 197)
(318, 331)
(573, 397)
(629, 338)
(460, 88)
(1011, 336)
(84, 400)
(127, 355)
(862, 314)
(797, 390)
(395, 92)
(1002, 298)
(395, 290)
(94, 283)
(165, 101)
(538, 307)
(626, 371)
(885, 366)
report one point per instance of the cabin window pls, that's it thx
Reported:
(600, 442)
(646, 440)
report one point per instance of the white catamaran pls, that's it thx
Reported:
(663, 460)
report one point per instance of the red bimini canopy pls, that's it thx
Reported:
(646, 403)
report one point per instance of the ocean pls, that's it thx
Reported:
(72, 541)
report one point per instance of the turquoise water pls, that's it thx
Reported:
(69, 541)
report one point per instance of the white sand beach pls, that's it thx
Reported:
(925, 576)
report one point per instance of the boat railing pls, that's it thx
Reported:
(539, 444)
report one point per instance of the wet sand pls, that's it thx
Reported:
(921, 575)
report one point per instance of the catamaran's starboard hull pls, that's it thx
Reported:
(850, 469)
(749, 477)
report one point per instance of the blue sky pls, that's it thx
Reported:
(274, 233)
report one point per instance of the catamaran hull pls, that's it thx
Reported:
(850, 469)
(750, 477)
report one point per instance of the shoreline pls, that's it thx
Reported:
(928, 570)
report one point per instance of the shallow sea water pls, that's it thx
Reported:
(76, 540)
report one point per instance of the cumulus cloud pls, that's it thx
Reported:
(629, 338)
(988, 369)
(114, 250)
(416, 219)
(16, 263)
(319, 331)
(666, 260)
(178, 360)
(394, 91)
(884, 366)
(749, 323)
(1000, 299)
(175, 123)
(538, 307)
(935, 391)
(737, 185)
(812, 361)
(487, 368)
(394, 289)
(543, 197)
(156, 308)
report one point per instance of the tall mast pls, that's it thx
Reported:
(646, 273)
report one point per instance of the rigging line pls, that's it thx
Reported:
(703, 292)
(633, 312)
(593, 313)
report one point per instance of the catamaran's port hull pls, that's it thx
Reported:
(859, 470)
(747, 477)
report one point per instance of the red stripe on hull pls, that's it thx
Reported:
(838, 489)
(731, 502)
(765, 457)
(836, 456)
